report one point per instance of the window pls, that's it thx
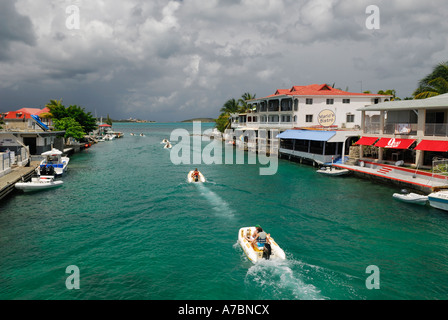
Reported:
(286, 118)
(309, 118)
(350, 118)
(255, 119)
(296, 104)
(309, 101)
(330, 101)
(376, 100)
(345, 100)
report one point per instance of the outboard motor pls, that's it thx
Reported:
(50, 170)
(267, 250)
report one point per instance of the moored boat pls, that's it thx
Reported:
(39, 183)
(53, 164)
(332, 171)
(439, 200)
(411, 197)
(253, 252)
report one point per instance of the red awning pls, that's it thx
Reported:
(433, 145)
(366, 141)
(394, 143)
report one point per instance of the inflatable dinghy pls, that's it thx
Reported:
(253, 252)
(191, 179)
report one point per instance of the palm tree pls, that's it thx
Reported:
(231, 106)
(433, 84)
(243, 101)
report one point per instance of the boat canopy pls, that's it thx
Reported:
(52, 152)
(313, 135)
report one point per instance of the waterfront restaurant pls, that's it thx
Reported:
(413, 132)
(316, 122)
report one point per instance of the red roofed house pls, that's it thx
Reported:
(21, 129)
(300, 106)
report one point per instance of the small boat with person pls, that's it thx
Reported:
(411, 197)
(192, 177)
(38, 184)
(255, 253)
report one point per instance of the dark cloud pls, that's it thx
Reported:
(14, 27)
(171, 60)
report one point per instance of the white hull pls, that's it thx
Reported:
(333, 171)
(253, 253)
(37, 184)
(190, 178)
(439, 200)
(54, 159)
(411, 198)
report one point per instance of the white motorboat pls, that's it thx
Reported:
(165, 141)
(109, 137)
(332, 171)
(190, 177)
(439, 200)
(39, 183)
(53, 164)
(411, 197)
(168, 145)
(253, 252)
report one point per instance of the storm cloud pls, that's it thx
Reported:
(174, 60)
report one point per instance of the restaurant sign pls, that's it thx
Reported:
(326, 118)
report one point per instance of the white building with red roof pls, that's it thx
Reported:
(311, 106)
(316, 122)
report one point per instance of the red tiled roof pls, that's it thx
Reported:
(317, 90)
(24, 112)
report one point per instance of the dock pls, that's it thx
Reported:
(17, 174)
(423, 181)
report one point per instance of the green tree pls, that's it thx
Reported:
(243, 101)
(108, 120)
(85, 119)
(230, 106)
(222, 122)
(71, 127)
(58, 111)
(433, 84)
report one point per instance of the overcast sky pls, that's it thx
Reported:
(173, 60)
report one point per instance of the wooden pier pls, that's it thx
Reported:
(17, 174)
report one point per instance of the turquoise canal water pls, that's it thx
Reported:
(128, 219)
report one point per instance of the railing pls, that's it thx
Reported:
(372, 128)
(436, 129)
(400, 128)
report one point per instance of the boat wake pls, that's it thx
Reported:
(219, 205)
(277, 280)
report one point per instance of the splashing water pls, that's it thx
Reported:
(219, 205)
(276, 278)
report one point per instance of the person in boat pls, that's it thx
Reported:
(261, 239)
(195, 174)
